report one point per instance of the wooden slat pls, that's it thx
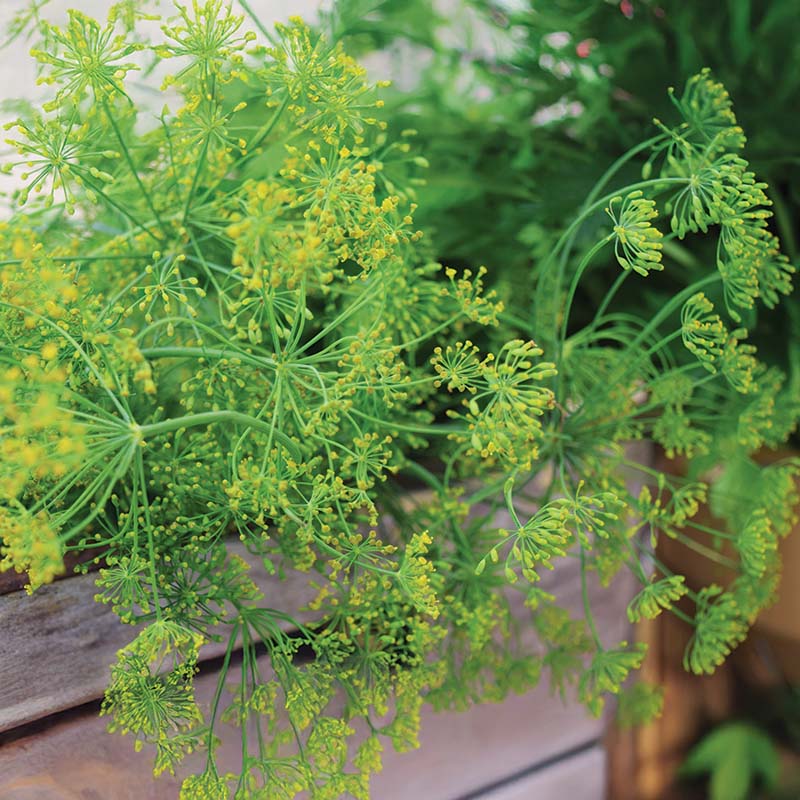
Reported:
(581, 777)
(58, 644)
(70, 756)
(643, 762)
(76, 759)
(15, 581)
(57, 648)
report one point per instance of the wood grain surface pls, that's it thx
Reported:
(58, 644)
(67, 642)
(579, 777)
(74, 758)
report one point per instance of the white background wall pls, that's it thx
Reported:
(17, 71)
(18, 68)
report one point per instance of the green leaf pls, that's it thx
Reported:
(736, 756)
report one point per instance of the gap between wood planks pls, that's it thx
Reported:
(535, 769)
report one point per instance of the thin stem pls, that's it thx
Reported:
(675, 302)
(217, 418)
(256, 20)
(609, 296)
(201, 161)
(206, 352)
(566, 237)
(150, 544)
(124, 211)
(587, 607)
(431, 430)
(223, 674)
(148, 198)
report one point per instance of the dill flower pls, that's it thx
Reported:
(639, 704)
(85, 55)
(703, 332)
(655, 597)
(54, 153)
(503, 415)
(738, 362)
(30, 544)
(206, 786)
(208, 38)
(607, 672)
(325, 86)
(415, 572)
(757, 544)
(458, 365)
(709, 188)
(719, 627)
(637, 242)
(479, 306)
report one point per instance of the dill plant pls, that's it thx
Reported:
(221, 320)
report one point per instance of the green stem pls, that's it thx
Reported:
(431, 430)
(151, 551)
(675, 302)
(620, 162)
(252, 146)
(256, 21)
(609, 296)
(205, 352)
(223, 674)
(200, 165)
(587, 607)
(124, 211)
(566, 238)
(216, 418)
(148, 198)
(582, 267)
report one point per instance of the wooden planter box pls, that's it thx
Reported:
(57, 646)
(643, 763)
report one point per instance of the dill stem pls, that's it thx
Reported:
(675, 302)
(430, 430)
(708, 552)
(223, 674)
(147, 197)
(582, 267)
(427, 335)
(256, 20)
(201, 161)
(620, 162)
(122, 210)
(151, 551)
(216, 418)
(587, 607)
(207, 352)
(609, 296)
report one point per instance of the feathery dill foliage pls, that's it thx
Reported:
(220, 319)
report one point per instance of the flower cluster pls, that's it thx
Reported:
(637, 242)
(507, 398)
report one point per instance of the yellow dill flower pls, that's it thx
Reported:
(30, 544)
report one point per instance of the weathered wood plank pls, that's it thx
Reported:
(15, 581)
(72, 757)
(581, 777)
(57, 645)
(76, 759)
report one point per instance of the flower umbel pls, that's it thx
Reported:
(637, 242)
